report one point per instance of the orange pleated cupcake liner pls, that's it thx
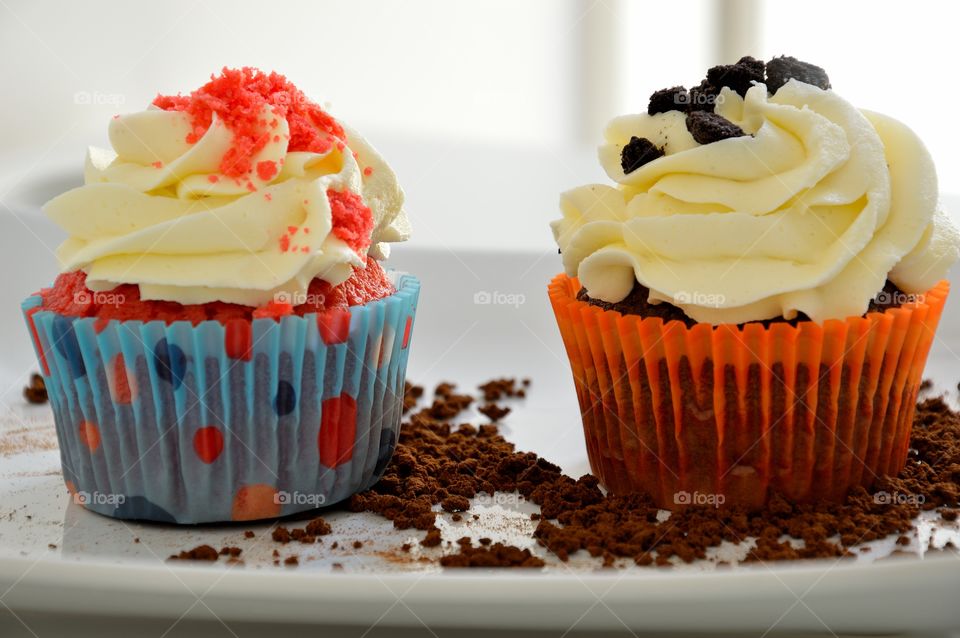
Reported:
(724, 415)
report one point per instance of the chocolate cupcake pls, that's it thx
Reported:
(750, 308)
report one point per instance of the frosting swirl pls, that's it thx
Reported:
(810, 212)
(164, 210)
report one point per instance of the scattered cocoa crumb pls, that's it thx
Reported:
(496, 555)
(306, 536)
(233, 552)
(282, 535)
(432, 539)
(903, 540)
(36, 391)
(357, 544)
(447, 403)
(337, 566)
(276, 553)
(318, 527)
(335, 545)
(455, 503)
(51, 546)
(926, 384)
(493, 411)
(456, 518)
(406, 547)
(248, 534)
(136, 540)
(485, 541)
(496, 389)
(200, 552)
(291, 561)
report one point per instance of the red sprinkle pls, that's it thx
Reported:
(157, 164)
(238, 97)
(284, 243)
(268, 197)
(292, 230)
(213, 179)
(352, 220)
(368, 171)
(266, 170)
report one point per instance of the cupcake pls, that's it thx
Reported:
(748, 310)
(223, 343)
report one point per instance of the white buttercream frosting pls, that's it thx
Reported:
(810, 212)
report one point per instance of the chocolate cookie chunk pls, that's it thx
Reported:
(784, 68)
(739, 76)
(673, 99)
(706, 127)
(637, 152)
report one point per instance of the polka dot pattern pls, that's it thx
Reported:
(238, 339)
(89, 435)
(120, 382)
(338, 430)
(253, 502)
(31, 322)
(170, 362)
(208, 444)
(406, 333)
(286, 399)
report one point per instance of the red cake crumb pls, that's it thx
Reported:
(70, 296)
(352, 220)
(266, 170)
(238, 97)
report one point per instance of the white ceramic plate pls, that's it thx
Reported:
(57, 557)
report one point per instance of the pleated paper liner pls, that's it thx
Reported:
(727, 416)
(193, 424)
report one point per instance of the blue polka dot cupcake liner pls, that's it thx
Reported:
(213, 422)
